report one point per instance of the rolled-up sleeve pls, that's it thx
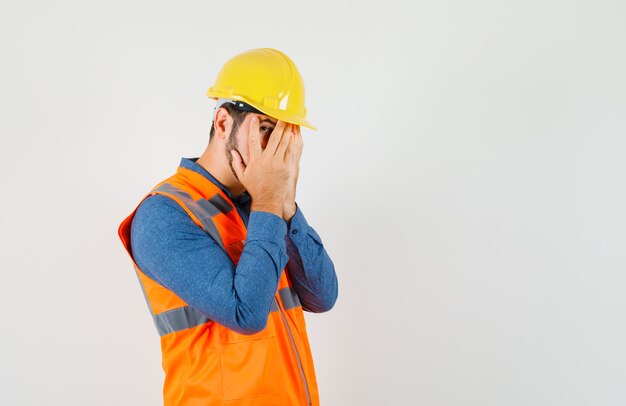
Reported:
(311, 270)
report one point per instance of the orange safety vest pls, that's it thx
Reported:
(204, 362)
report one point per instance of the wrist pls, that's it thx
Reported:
(267, 207)
(289, 210)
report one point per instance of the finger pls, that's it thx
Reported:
(253, 138)
(290, 152)
(275, 137)
(238, 165)
(299, 143)
(284, 141)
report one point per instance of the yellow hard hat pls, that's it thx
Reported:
(266, 79)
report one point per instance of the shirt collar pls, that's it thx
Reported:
(190, 163)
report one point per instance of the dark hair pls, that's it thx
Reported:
(237, 115)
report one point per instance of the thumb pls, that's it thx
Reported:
(238, 166)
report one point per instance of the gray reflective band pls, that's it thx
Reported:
(203, 209)
(220, 203)
(166, 187)
(295, 350)
(176, 319)
(179, 319)
(289, 297)
(143, 290)
(208, 207)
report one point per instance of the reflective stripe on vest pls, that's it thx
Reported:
(186, 317)
(203, 209)
(174, 320)
(179, 319)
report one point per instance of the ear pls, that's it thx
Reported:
(223, 123)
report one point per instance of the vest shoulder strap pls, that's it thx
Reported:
(202, 211)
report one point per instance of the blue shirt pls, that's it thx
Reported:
(172, 250)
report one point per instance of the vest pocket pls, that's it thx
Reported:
(249, 368)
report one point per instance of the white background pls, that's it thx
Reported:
(467, 180)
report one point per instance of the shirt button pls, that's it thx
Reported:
(294, 231)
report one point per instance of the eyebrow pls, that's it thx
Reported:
(268, 121)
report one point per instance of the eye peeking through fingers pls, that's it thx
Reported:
(266, 131)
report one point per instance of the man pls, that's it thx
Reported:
(224, 255)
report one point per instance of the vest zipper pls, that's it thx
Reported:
(293, 345)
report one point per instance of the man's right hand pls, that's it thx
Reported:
(268, 171)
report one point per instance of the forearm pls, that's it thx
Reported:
(310, 268)
(187, 261)
(258, 271)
